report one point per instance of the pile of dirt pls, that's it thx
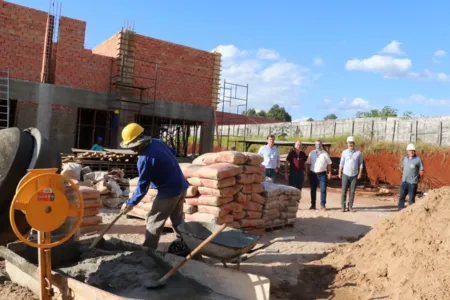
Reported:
(405, 257)
(126, 273)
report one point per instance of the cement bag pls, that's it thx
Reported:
(219, 171)
(204, 217)
(215, 184)
(112, 202)
(217, 211)
(274, 211)
(89, 212)
(272, 199)
(245, 178)
(72, 170)
(89, 193)
(251, 206)
(247, 188)
(93, 203)
(257, 188)
(90, 221)
(259, 177)
(213, 200)
(250, 223)
(257, 198)
(272, 205)
(190, 170)
(89, 183)
(287, 215)
(293, 191)
(95, 176)
(206, 159)
(192, 191)
(225, 192)
(271, 189)
(191, 201)
(238, 215)
(254, 159)
(114, 188)
(189, 209)
(291, 209)
(253, 169)
(231, 157)
(145, 206)
(241, 197)
(290, 221)
(237, 207)
(234, 225)
(253, 215)
(278, 222)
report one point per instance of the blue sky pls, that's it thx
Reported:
(313, 57)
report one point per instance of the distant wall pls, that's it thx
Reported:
(433, 130)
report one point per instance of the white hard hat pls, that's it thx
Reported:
(350, 139)
(411, 147)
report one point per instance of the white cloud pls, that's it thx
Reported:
(270, 81)
(345, 107)
(385, 65)
(359, 103)
(318, 61)
(440, 53)
(268, 54)
(422, 100)
(326, 100)
(392, 48)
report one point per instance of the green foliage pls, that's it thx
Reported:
(330, 117)
(385, 112)
(250, 112)
(408, 114)
(278, 113)
(262, 114)
(310, 119)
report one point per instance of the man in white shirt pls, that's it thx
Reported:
(271, 157)
(318, 168)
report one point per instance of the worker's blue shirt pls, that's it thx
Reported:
(158, 166)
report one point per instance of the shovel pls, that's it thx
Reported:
(97, 239)
(162, 281)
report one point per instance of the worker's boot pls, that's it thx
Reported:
(350, 209)
(343, 208)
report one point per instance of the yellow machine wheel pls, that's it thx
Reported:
(41, 196)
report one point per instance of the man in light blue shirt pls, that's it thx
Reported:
(412, 167)
(350, 169)
(271, 157)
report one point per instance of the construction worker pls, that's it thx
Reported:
(297, 161)
(271, 157)
(157, 165)
(99, 145)
(412, 167)
(318, 168)
(350, 170)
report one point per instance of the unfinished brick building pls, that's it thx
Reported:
(70, 93)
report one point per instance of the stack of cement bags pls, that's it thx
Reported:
(281, 204)
(142, 209)
(92, 204)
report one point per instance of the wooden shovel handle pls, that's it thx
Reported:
(199, 247)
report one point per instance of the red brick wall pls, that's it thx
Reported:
(22, 36)
(76, 66)
(184, 74)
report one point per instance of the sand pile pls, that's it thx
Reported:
(405, 257)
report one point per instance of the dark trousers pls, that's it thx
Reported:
(348, 182)
(271, 173)
(315, 180)
(296, 179)
(409, 189)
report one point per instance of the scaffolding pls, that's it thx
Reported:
(5, 103)
(235, 102)
(133, 78)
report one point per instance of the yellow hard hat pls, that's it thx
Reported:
(116, 111)
(131, 132)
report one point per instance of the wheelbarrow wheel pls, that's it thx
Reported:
(179, 248)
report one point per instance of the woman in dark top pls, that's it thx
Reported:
(297, 159)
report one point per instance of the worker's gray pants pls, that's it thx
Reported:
(161, 210)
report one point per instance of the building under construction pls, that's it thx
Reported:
(73, 95)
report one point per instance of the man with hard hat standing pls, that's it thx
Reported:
(350, 169)
(412, 167)
(157, 165)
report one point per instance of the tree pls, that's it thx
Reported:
(408, 114)
(250, 112)
(385, 112)
(261, 114)
(310, 119)
(330, 117)
(278, 113)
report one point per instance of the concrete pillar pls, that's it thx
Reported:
(206, 137)
(44, 110)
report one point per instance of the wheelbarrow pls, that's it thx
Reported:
(230, 246)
